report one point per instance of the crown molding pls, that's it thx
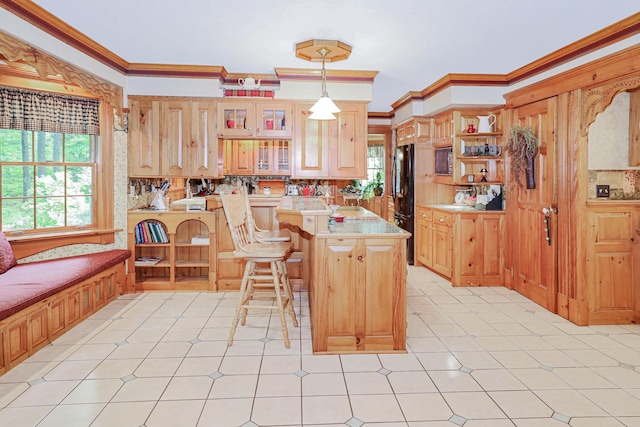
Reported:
(54, 26)
(41, 18)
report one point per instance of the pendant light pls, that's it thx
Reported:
(324, 108)
(326, 51)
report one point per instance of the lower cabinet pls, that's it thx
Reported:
(434, 241)
(357, 294)
(465, 247)
(479, 256)
(184, 243)
(613, 263)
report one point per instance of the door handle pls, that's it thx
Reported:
(547, 211)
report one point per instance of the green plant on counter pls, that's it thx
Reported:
(374, 188)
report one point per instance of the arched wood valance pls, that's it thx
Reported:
(48, 65)
(598, 99)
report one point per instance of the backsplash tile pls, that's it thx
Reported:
(623, 184)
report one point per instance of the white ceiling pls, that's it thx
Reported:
(411, 43)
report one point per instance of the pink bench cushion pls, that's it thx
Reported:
(26, 284)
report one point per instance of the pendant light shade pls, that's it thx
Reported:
(324, 108)
(318, 50)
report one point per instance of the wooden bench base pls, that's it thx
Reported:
(27, 331)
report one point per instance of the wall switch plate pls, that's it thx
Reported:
(602, 191)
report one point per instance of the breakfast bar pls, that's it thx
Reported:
(356, 279)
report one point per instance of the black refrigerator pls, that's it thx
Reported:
(402, 192)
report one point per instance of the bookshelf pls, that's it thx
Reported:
(184, 243)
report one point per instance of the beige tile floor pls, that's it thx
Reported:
(478, 357)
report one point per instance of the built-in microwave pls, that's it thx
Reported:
(444, 161)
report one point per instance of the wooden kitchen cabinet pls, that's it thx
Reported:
(362, 284)
(144, 138)
(475, 237)
(477, 244)
(613, 259)
(272, 157)
(416, 130)
(256, 157)
(443, 243)
(331, 148)
(424, 237)
(434, 240)
(443, 129)
(172, 137)
(254, 119)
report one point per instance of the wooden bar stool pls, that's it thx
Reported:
(268, 236)
(258, 284)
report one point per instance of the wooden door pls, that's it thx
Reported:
(202, 149)
(531, 258)
(348, 143)
(175, 130)
(311, 145)
(144, 138)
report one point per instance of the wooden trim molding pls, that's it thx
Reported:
(597, 99)
(27, 245)
(48, 65)
(56, 27)
(350, 76)
(169, 70)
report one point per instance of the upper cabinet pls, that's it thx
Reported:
(331, 148)
(144, 138)
(254, 119)
(443, 129)
(259, 157)
(172, 138)
(416, 130)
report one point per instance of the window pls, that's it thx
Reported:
(375, 161)
(47, 180)
(56, 168)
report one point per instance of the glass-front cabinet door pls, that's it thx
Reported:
(274, 119)
(273, 158)
(236, 119)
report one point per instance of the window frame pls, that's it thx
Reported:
(25, 244)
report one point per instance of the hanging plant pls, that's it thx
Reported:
(523, 148)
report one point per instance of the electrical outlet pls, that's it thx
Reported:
(602, 191)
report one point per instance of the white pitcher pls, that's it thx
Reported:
(484, 126)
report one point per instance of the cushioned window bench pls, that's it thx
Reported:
(39, 301)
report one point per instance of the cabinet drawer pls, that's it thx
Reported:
(442, 218)
(423, 214)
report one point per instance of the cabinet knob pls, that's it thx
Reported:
(359, 257)
(424, 215)
(441, 220)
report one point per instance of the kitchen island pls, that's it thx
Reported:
(356, 279)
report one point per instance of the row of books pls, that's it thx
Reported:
(151, 232)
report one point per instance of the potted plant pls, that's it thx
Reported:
(378, 184)
(374, 188)
(522, 147)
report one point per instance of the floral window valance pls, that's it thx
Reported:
(46, 112)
